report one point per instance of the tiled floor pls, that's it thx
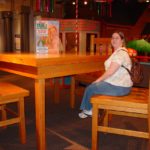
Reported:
(64, 130)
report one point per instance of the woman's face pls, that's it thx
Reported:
(52, 31)
(116, 41)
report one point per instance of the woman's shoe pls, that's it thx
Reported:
(83, 115)
(88, 112)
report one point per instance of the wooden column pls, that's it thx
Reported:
(25, 11)
(92, 44)
(7, 17)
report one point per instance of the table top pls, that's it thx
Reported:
(31, 59)
(50, 65)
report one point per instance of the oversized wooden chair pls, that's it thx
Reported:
(10, 93)
(136, 104)
(100, 46)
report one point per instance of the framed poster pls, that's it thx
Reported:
(47, 36)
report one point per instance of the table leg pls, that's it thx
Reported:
(56, 90)
(72, 92)
(40, 113)
(149, 115)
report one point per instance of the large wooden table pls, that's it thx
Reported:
(41, 67)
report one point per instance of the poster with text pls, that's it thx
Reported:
(47, 36)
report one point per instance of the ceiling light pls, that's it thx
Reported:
(104, 1)
(141, 1)
(85, 2)
(73, 3)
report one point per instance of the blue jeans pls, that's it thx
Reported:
(102, 88)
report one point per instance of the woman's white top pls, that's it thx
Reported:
(121, 77)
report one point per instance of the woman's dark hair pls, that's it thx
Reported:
(121, 35)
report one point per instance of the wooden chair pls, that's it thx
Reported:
(10, 93)
(102, 46)
(136, 104)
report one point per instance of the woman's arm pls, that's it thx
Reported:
(109, 72)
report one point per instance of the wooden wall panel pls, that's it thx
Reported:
(5, 5)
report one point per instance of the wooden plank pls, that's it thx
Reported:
(94, 127)
(40, 113)
(124, 132)
(124, 109)
(9, 121)
(35, 60)
(136, 99)
(11, 93)
(130, 114)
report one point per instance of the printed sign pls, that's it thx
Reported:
(47, 36)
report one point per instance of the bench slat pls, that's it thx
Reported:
(138, 98)
(124, 132)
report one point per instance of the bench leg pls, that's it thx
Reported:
(4, 114)
(106, 119)
(72, 92)
(22, 130)
(149, 117)
(94, 127)
(56, 90)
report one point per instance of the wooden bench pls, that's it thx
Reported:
(134, 105)
(10, 93)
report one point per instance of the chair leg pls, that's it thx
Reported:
(4, 114)
(148, 121)
(94, 127)
(106, 119)
(72, 92)
(22, 129)
(56, 90)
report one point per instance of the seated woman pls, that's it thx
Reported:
(115, 81)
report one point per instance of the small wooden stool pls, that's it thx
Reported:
(134, 105)
(10, 93)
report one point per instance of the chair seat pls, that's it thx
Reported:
(134, 105)
(137, 101)
(9, 92)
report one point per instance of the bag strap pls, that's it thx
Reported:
(123, 65)
(126, 69)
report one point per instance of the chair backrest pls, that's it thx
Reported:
(102, 45)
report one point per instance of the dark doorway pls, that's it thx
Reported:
(71, 46)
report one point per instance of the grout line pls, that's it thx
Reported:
(74, 144)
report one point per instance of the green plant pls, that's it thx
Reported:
(141, 46)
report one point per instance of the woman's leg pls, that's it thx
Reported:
(103, 88)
